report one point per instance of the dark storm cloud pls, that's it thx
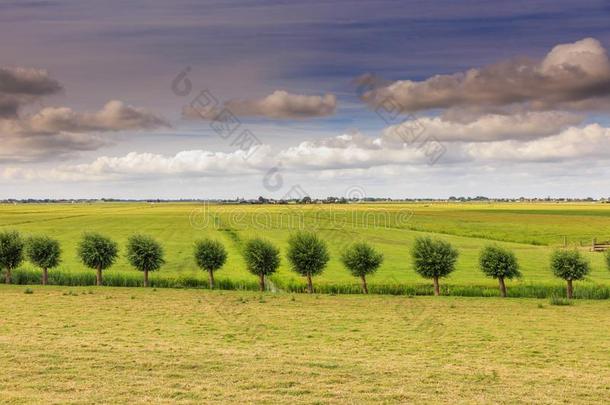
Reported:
(20, 86)
(31, 82)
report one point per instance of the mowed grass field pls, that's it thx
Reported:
(533, 231)
(134, 345)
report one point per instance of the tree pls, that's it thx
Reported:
(145, 254)
(569, 265)
(97, 252)
(210, 256)
(308, 255)
(45, 253)
(11, 253)
(361, 259)
(433, 258)
(262, 259)
(500, 263)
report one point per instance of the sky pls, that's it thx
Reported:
(228, 99)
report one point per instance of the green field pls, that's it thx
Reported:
(533, 231)
(135, 345)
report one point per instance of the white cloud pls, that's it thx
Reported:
(347, 151)
(590, 142)
(192, 162)
(199, 163)
(587, 55)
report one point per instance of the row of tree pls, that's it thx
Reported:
(307, 253)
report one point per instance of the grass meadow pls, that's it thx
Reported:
(136, 345)
(532, 230)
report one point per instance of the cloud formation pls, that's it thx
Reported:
(570, 76)
(191, 162)
(485, 128)
(344, 153)
(589, 142)
(60, 131)
(197, 163)
(278, 105)
(21, 86)
(29, 147)
(57, 131)
(114, 116)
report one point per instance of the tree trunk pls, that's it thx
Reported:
(437, 290)
(98, 277)
(145, 278)
(570, 289)
(364, 287)
(309, 284)
(7, 276)
(211, 273)
(45, 276)
(261, 282)
(502, 286)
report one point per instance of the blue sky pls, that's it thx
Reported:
(273, 62)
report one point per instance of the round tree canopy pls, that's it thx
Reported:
(262, 258)
(307, 253)
(569, 265)
(210, 254)
(44, 252)
(433, 257)
(498, 262)
(11, 249)
(144, 253)
(97, 251)
(361, 259)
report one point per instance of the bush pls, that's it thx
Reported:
(25, 276)
(145, 254)
(45, 253)
(433, 258)
(11, 253)
(569, 265)
(307, 255)
(361, 259)
(97, 252)
(262, 259)
(500, 263)
(210, 255)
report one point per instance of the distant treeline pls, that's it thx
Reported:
(303, 200)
